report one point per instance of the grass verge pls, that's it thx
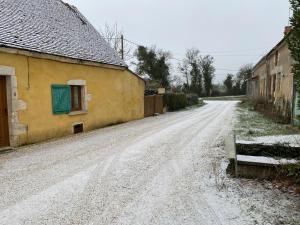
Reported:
(253, 124)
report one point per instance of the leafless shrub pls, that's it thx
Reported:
(219, 175)
(112, 35)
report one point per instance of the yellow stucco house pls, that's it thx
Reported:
(58, 76)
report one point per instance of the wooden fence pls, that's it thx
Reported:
(153, 104)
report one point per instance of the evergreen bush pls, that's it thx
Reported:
(192, 99)
(175, 101)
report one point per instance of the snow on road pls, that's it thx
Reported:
(161, 170)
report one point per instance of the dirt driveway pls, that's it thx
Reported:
(161, 170)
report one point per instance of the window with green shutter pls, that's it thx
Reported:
(61, 99)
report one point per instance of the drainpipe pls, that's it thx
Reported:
(268, 80)
(294, 104)
(28, 73)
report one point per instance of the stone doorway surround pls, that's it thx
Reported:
(14, 105)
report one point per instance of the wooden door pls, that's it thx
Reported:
(159, 104)
(149, 109)
(4, 134)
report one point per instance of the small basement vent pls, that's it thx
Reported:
(78, 128)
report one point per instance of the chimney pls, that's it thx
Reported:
(287, 30)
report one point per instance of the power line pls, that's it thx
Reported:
(182, 60)
(233, 55)
(204, 53)
(232, 70)
(220, 69)
(134, 43)
(227, 51)
(220, 75)
(227, 69)
(238, 55)
(131, 42)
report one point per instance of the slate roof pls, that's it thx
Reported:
(53, 27)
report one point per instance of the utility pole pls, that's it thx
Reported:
(122, 46)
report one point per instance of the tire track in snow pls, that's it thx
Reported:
(43, 171)
(186, 141)
(145, 174)
(151, 150)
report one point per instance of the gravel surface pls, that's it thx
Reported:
(161, 170)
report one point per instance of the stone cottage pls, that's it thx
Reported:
(272, 79)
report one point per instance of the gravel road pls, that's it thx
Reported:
(162, 170)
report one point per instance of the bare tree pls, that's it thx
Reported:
(243, 75)
(177, 82)
(184, 69)
(113, 35)
(207, 70)
(190, 69)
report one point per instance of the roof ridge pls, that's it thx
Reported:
(85, 21)
(76, 12)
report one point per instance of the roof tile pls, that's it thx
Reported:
(53, 27)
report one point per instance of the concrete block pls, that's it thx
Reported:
(230, 146)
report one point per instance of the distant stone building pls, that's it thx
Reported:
(272, 80)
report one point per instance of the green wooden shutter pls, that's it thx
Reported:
(61, 99)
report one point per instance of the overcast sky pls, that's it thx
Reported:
(235, 32)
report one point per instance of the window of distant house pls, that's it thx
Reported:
(274, 84)
(76, 98)
(276, 58)
(278, 82)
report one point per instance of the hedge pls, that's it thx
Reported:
(175, 101)
(192, 99)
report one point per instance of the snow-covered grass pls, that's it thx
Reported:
(252, 124)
